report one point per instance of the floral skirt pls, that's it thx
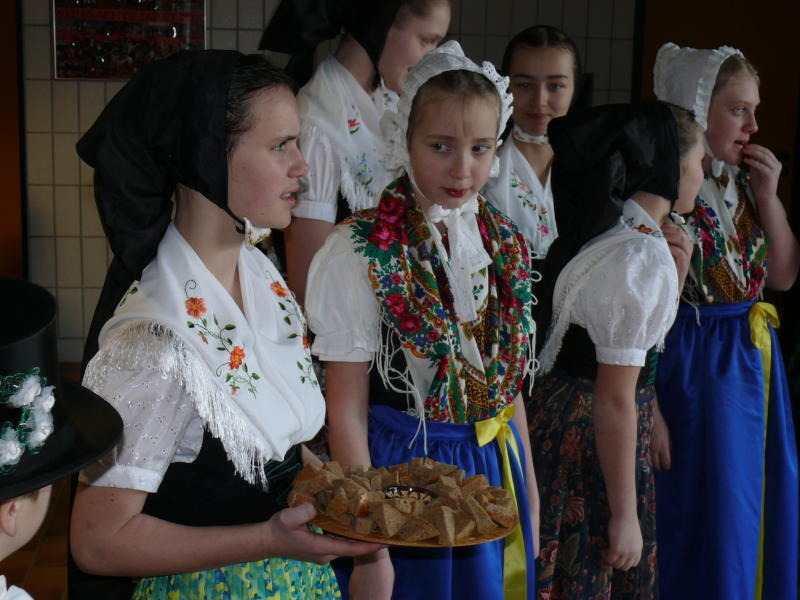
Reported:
(271, 579)
(574, 506)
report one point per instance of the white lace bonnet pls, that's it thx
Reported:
(447, 57)
(686, 76)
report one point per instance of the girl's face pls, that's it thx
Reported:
(732, 117)
(543, 83)
(265, 165)
(691, 175)
(452, 145)
(408, 42)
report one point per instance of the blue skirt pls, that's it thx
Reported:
(726, 515)
(459, 573)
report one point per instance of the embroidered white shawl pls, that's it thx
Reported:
(248, 373)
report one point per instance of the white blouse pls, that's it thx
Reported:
(519, 194)
(13, 592)
(160, 427)
(323, 153)
(623, 288)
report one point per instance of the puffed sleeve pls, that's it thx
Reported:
(319, 199)
(160, 427)
(342, 309)
(628, 306)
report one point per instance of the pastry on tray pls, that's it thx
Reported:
(421, 503)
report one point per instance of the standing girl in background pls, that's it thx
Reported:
(204, 356)
(342, 104)
(728, 493)
(619, 169)
(433, 286)
(544, 67)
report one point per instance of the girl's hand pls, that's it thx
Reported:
(680, 246)
(372, 577)
(288, 536)
(660, 445)
(624, 543)
(764, 172)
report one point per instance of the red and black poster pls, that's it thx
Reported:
(114, 39)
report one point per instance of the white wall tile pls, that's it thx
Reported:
(223, 13)
(40, 210)
(90, 298)
(581, 44)
(37, 52)
(621, 64)
(601, 13)
(551, 12)
(524, 14)
(473, 18)
(575, 17)
(95, 261)
(70, 350)
(65, 105)
(498, 17)
(112, 87)
(600, 97)
(36, 12)
(42, 261)
(270, 6)
(598, 61)
(455, 16)
(67, 210)
(39, 157)
(624, 18)
(223, 39)
(90, 219)
(251, 14)
(619, 97)
(473, 46)
(68, 262)
(65, 159)
(248, 40)
(495, 46)
(86, 173)
(37, 106)
(92, 100)
(70, 313)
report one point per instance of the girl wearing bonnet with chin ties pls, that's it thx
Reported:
(433, 285)
(727, 489)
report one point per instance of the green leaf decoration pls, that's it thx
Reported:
(256, 376)
(215, 321)
(299, 365)
(244, 366)
(220, 348)
(204, 322)
(282, 305)
(292, 336)
(228, 377)
(287, 320)
(190, 324)
(229, 326)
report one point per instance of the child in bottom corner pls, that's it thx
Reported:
(432, 287)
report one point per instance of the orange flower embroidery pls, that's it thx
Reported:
(643, 229)
(195, 307)
(236, 358)
(306, 344)
(279, 290)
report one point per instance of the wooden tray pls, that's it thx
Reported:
(330, 525)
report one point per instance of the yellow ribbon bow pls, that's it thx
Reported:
(760, 317)
(515, 581)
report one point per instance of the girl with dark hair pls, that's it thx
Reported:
(544, 66)
(614, 287)
(342, 103)
(433, 286)
(202, 348)
(728, 485)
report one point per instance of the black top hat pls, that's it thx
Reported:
(48, 429)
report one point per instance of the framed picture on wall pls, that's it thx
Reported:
(114, 39)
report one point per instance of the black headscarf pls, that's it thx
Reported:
(166, 126)
(604, 155)
(298, 26)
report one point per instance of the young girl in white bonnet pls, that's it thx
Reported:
(727, 494)
(432, 287)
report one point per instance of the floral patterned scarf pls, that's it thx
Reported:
(476, 368)
(246, 371)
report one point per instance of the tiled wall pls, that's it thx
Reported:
(68, 253)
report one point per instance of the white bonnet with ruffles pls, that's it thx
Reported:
(686, 77)
(447, 57)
